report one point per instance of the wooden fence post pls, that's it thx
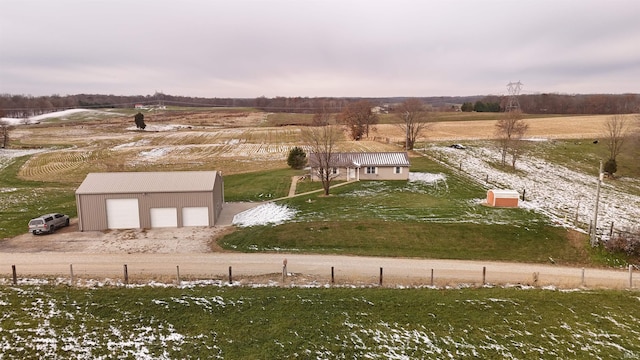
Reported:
(284, 269)
(15, 275)
(583, 277)
(178, 274)
(71, 271)
(484, 275)
(380, 276)
(126, 275)
(230, 278)
(333, 279)
(431, 277)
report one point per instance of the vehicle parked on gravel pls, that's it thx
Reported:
(48, 223)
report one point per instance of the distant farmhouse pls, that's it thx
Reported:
(364, 166)
(130, 200)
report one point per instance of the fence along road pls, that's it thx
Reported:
(308, 268)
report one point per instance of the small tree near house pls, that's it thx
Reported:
(297, 158)
(139, 120)
(321, 141)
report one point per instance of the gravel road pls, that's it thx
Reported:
(306, 269)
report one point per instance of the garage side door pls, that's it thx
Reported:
(123, 214)
(195, 216)
(164, 217)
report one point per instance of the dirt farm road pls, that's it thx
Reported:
(305, 269)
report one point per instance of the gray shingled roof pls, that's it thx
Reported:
(136, 182)
(360, 159)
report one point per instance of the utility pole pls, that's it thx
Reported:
(594, 238)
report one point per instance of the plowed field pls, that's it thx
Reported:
(230, 142)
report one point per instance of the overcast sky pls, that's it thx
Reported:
(368, 48)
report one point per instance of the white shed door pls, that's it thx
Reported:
(195, 216)
(164, 217)
(123, 214)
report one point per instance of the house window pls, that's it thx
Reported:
(370, 170)
(397, 170)
(331, 171)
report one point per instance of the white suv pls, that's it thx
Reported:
(47, 223)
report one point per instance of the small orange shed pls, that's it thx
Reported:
(503, 198)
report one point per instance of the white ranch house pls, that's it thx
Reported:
(364, 166)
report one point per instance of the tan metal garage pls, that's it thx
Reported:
(129, 200)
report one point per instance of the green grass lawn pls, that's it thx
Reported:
(334, 323)
(396, 218)
(22, 200)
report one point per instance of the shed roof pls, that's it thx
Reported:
(136, 182)
(359, 159)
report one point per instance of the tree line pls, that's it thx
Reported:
(25, 105)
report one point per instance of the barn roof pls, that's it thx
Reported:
(150, 182)
(360, 159)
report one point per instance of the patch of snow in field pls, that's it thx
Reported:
(155, 153)
(264, 214)
(7, 155)
(426, 177)
(556, 191)
(142, 142)
(159, 128)
(55, 114)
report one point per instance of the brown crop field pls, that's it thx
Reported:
(232, 142)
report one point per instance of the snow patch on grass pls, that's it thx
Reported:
(264, 214)
(563, 195)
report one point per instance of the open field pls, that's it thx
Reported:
(222, 322)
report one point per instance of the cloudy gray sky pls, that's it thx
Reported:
(370, 48)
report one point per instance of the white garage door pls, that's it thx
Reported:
(164, 217)
(123, 214)
(195, 216)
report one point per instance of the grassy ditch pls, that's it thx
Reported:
(337, 323)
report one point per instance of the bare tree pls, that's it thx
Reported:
(510, 129)
(616, 128)
(616, 132)
(5, 128)
(415, 118)
(322, 116)
(321, 142)
(358, 117)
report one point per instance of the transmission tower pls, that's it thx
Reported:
(514, 90)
